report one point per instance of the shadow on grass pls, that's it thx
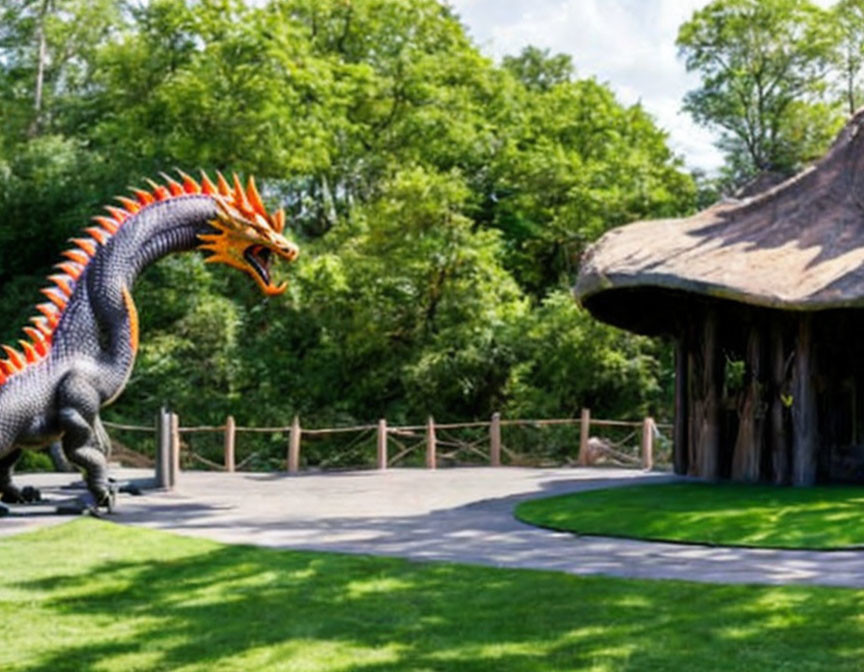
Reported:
(142, 600)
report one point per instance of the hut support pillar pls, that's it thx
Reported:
(681, 448)
(779, 439)
(705, 383)
(805, 431)
(747, 456)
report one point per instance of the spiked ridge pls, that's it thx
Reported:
(39, 336)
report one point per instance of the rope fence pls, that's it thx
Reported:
(582, 441)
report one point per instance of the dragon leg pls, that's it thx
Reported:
(9, 494)
(78, 418)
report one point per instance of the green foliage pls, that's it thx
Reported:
(764, 66)
(441, 202)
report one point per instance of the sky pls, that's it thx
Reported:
(628, 44)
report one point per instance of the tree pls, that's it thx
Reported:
(538, 70)
(763, 66)
(848, 55)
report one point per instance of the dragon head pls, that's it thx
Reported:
(244, 235)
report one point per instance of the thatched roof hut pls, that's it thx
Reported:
(764, 299)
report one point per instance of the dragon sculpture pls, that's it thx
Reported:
(79, 351)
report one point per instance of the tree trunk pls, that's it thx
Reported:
(747, 456)
(41, 57)
(779, 440)
(705, 401)
(681, 447)
(805, 430)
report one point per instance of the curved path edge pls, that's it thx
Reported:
(453, 515)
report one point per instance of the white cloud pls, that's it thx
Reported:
(630, 44)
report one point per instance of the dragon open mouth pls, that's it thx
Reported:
(259, 258)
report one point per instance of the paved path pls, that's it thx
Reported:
(459, 515)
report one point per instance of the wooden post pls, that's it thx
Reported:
(382, 444)
(805, 431)
(584, 428)
(495, 441)
(230, 432)
(163, 449)
(431, 444)
(680, 447)
(706, 381)
(778, 434)
(648, 444)
(175, 449)
(747, 455)
(294, 446)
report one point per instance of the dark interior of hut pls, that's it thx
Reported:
(762, 394)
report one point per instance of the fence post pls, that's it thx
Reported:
(163, 449)
(230, 433)
(431, 444)
(294, 446)
(495, 441)
(175, 449)
(382, 444)
(648, 444)
(584, 429)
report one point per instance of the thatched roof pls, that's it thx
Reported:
(797, 246)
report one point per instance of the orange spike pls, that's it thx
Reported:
(62, 281)
(6, 367)
(99, 234)
(222, 185)
(254, 197)
(174, 186)
(15, 357)
(144, 197)
(159, 192)
(190, 186)
(86, 244)
(131, 206)
(30, 355)
(77, 256)
(42, 325)
(38, 340)
(240, 199)
(72, 270)
(3, 378)
(108, 224)
(48, 310)
(279, 221)
(207, 187)
(54, 297)
(118, 214)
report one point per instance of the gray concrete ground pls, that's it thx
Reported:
(458, 515)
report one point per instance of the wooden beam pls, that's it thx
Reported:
(495, 440)
(230, 434)
(805, 431)
(747, 455)
(584, 430)
(382, 444)
(294, 446)
(778, 437)
(431, 444)
(680, 443)
(706, 382)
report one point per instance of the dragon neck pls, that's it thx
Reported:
(99, 317)
(90, 312)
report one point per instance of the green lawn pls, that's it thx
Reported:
(91, 595)
(732, 515)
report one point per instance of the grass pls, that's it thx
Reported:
(730, 515)
(90, 595)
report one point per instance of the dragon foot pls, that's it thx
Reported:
(26, 495)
